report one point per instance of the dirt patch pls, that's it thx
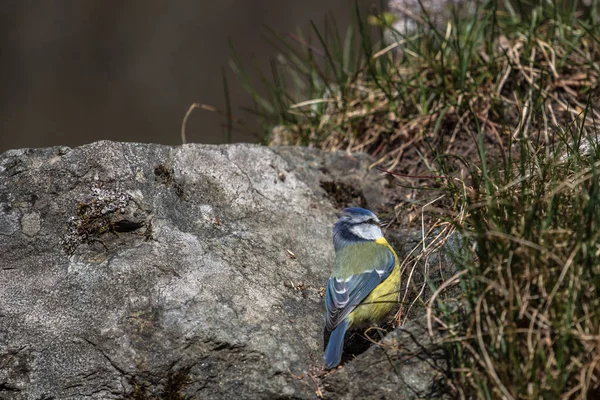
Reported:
(343, 194)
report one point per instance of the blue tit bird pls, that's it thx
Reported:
(365, 283)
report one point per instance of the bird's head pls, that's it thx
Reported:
(355, 225)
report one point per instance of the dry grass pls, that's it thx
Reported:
(440, 88)
(437, 93)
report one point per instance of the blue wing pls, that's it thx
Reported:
(343, 295)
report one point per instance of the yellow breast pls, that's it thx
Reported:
(382, 300)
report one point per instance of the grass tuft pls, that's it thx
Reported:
(529, 325)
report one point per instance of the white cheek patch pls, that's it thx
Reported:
(366, 231)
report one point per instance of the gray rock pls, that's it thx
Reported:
(147, 271)
(134, 269)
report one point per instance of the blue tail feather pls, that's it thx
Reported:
(333, 352)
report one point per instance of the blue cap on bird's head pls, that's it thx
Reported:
(355, 225)
(358, 212)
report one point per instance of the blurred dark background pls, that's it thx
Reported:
(78, 71)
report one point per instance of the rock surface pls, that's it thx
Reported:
(137, 270)
(406, 364)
